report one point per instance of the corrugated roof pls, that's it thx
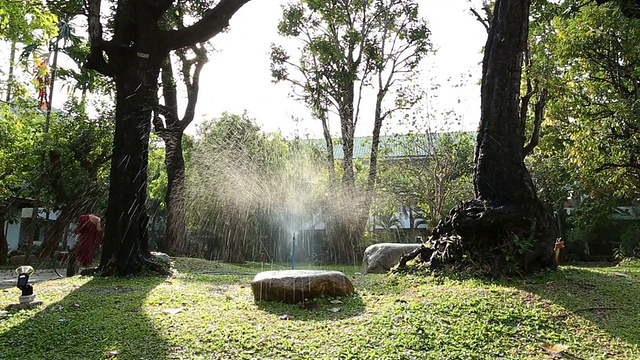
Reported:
(393, 146)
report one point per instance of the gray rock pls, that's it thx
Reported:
(293, 286)
(379, 258)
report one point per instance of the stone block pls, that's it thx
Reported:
(294, 286)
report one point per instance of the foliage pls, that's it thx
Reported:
(157, 180)
(20, 127)
(345, 47)
(589, 312)
(26, 21)
(629, 243)
(587, 60)
(78, 149)
(435, 179)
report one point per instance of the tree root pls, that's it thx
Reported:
(496, 240)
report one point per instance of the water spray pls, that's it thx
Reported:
(293, 252)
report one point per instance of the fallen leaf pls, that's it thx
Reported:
(334, 309)
(336, 301)
(112, 353)
(77, 306)
(57, 307)
(554, 349)
(286, 317)
(173, 311)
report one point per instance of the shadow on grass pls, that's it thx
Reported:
(607, 297)
(101, 316)
(320, 309)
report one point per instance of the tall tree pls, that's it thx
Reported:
(348, 46)
(133, 57)
(506, 228)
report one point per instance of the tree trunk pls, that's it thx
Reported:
(506, 229)
(133, 57)
(32, 230)
(344, 234)
(10, 75)
(126, 247)
(54, 238)
(175, 234)
(329, 143)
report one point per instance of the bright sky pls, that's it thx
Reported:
(238, 78)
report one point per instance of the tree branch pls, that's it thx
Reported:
(485, 22)
(213, 22)
(607, 166)
(538, 117)
(96, 59)
(193, 86)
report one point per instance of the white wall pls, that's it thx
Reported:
(12, 231)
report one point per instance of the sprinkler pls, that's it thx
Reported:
(293, 252)
(23, 284)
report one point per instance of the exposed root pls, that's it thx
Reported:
(495, 240)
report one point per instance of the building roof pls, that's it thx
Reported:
(393, 146)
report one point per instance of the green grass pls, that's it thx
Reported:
(595, 312)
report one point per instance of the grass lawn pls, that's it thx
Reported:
(208, 312)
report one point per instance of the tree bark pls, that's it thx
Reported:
(126, 245)
(175, 235)
(500, 176)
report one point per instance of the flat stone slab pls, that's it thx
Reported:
(380, 258)
(294, 286)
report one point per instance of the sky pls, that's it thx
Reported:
(237, 76)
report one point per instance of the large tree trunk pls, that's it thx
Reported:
(343, 230)
(126, 239)
(506, 229)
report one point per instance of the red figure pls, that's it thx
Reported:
(90, 236)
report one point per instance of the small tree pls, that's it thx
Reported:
(170, 127)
